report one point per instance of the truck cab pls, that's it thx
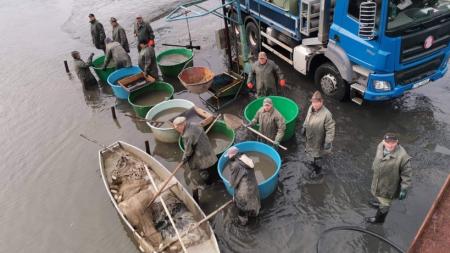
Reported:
(371, 50)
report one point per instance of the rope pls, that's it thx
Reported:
(358, 229)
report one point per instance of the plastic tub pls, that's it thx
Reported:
(174, 69)
(140, 109)
(219, 127)
(166, 134)
(288, 109)
(267, 186)
(119, 74)
(97, 66)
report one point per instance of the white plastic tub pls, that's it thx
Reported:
(167, 134)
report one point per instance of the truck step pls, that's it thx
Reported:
(358, 87)
(362, 71)
(357, 100)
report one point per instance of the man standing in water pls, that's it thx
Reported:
(83, 71)
(147, 61)
(243, 180)
(143, 32)
(271, 122)
(392, 174)
(115, 52)
(119, 35)
(266, 72)
(198, 154)
(97, 32)
(319, 130)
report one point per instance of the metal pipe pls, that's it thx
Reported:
(113, 112)
(227, 35)
(67, 67)
(324, 21)
(147, 147)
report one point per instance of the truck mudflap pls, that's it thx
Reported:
(371, 94)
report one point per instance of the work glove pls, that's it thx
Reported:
(151, 43)
(327, 146)
(303, 131)
(282, 83)
(246, 125)
(402, 195)
(276, 144)
(250, 85)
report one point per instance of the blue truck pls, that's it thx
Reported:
(367, 50)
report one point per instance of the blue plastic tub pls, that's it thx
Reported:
(119, 74)
(266, 187)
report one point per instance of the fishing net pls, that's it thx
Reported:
(132, 190)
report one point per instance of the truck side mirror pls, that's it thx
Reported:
(367, 19)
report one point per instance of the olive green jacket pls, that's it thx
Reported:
(198, 148)
(147, 62)
(271, 123)
(319, 129)
(144, 32)
(84, 73)
(98, 35)
(119, 35)
(265, 77)
(391, 173)
(115, 52)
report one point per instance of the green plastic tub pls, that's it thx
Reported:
(218, 127)
(145, 95)
(170, 64)
(97, 66)
(288, 109)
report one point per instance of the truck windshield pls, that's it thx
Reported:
(404, 14)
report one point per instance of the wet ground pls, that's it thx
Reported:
(52, 196)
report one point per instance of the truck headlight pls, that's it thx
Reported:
(382, 85)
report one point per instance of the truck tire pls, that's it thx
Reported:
(330, 81)
(253, 37)
(234, 27)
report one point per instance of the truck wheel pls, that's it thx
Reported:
(234, 26)
(330, 81)
(253, 37)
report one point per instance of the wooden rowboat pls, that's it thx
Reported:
(433, 235)
(120, 158)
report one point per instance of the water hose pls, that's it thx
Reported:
(357, 229)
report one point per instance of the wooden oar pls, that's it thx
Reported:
(212, 124)
(152, 122)
(196, 225)
(165, 184)
(236, 122)
(166, 209)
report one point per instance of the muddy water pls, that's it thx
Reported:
(219, 141)
(264, 166)
(167, 115)
(173, 59)
(52, 195)
(151, 98)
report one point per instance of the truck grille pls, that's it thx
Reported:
(413, 44)
(418, 73)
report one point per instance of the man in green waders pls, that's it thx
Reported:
(271, 122)
(198, 154)
(265, 72)
(319, 131)
(392, 174)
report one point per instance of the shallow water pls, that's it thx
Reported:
(219, 141)
(151, 98)
(53, 199)
(264, 166)
(173, 59)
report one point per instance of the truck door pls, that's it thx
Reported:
(344, 32)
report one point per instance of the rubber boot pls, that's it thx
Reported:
(195, 196)
(317, 172)
(379, 217)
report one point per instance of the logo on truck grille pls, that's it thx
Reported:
(428, 42)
